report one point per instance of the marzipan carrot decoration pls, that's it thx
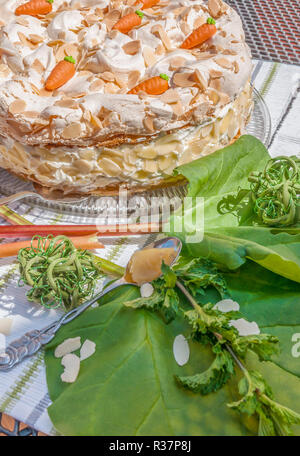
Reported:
(153, 86)
(128, 22)
(35, 8)
(61, 73)
(200, 34)
(147, 3)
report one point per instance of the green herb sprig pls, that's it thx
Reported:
(212, 327)
(276, 191)
(59, 274)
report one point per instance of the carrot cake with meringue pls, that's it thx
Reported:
(98, 94)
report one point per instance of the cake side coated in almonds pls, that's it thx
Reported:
(92, 119)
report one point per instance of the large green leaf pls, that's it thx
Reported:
(127, 387)
(230, 233)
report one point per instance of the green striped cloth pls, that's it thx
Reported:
(23, 390)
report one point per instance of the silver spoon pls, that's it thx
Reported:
(33, 340)
(41, 193)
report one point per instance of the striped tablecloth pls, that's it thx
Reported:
(23, 390)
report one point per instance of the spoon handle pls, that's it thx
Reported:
(16, 197)
(32, 341)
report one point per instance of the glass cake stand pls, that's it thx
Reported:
(107, 208)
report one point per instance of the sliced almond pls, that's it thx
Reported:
(38, 66)
(71, 364)
(199, 21)
(215, 73)
(177, 108)
(109, 167)
(229, 52)
(149, 56)
(151, 167)
(84, 167)
(110, 87)
(133, 78)
(224, 63)
(159, 30)
(96, 122)
(214, 96)
(176, 63)
(67, 103)
(5, 325)
(183, 79)
(236, 67)
(31, 114)
(170, 96)
(148, 123)
(186, 30)
(216, 8)
(215, 84)
(160, 49)
(17, 107)
(21, 20)
(72, 131)
(111, 18)
(88, 349)
(67, 346)
(35, 39)
(132, 47)
(107, 76)
(96, 85)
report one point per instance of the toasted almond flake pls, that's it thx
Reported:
(109, 167)
(121, 80)
(216, 8)
(4, 69)
(150, 166)
(185, 28)
(133, 78)
(170, 96)
(159, 30)
(71, 364)
(149, 56)
(67, 346)
(96, 122)
(72, 131)
(88, 349)
(177, 108)
(21, 20)
(111, 18)
(215, 84)
(176, 63)
(17, 107)
(83, 166)
(38, 66)
(132, 47)
(229, 52)
(160, 49)
(224, 99)
(110, 87)
(31, 114)
(224, 63)
(183, 79)
(148, 123)
(35, 39)
(45, 93)
(97, 85)
(215, 73)
(236, 67)
(199, 21)
(5, 325)
(165, 162)
(67, 103)
(107, 76)
(213, 96)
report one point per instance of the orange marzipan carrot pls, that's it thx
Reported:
(61, 73)
(200, 35)
(80, 242)
(128, 22)
(147, 3)
(35, 8)
(153, 86)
